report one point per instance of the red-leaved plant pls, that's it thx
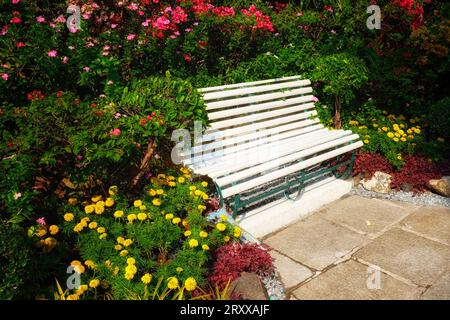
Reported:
(235, 258)
(417, 172)
(367, 164)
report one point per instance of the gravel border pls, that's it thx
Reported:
(425, 199)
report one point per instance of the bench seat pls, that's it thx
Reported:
(263, 131)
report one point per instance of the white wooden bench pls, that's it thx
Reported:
(263, 132)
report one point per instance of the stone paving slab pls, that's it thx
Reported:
(368, 216)
(440, 290)
(315, 242)
(410, 256)
(349, 280)
(291, 272)
(434, 223)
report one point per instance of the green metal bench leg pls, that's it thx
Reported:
(219, 191)
(349, 168)
(300, 187)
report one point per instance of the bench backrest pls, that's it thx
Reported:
(254, 113)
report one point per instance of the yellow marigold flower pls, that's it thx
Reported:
(181, 179)
(160, 191)
(396, 139)
(69, 217)
(417, 130)
(72, 297)
(409, 131)
(161, 176)
(108, 263)
(226, 238)
(176, 220)
(120, 240)
(170, 178)
(96, 198)
(129, 276)
(103, 236)
(116, 271)
(201, 207)
(41, 232)
(395, 127)
(390, 135)
(179, 269)
(187, 233)
(85, 219)
(82, 289)
(223, 217)
(399, 157)
(221, 226)
(93, 225)
(375, 125)
(203, 234)
(113, 190)
(169, 216)
(78, 228)
(412, 120)
(171, 184)
(99, 209)
(50, 241)
(193, 243)
(401, 132)
(204, 184)
(156, 202)
(190, 284)
(118, 247)
(397, 135)
(131, 260)
(131, 268)
(89, 209)
(72, 201)
(101, 230)
(198, 192)
(366, 141)
(94, 283)
(142, 216)
(109, 202)
(146, 278)
(131, 217)
(205, 196)
(137, 203)
(237, 232)
(173, 283)
(75, 263)
(205, 247)
(192, 188)
(90, 264)
(411, 136)
(123, 253)
(127, 242)
(403, 139)
(142, 208)
(384, 129)
(152, 192)
(184, 223)
(118, 214)
(79, 269)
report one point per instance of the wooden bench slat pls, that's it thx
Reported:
(264, 124)
(240, 161)
(246, 84)
(252, 90)
(258, 107)
(260, 116)
(259, 98)
(288, 170)
(282, 160)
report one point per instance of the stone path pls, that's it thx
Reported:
(359, 248)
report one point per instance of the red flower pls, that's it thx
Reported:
(35, 95)
(20, 44)
(142, 122)
(16, 20)
(59, 94)
(187, 58)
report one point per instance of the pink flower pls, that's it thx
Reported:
(4, 30)
(40, 19)
(86, 69)
(328, 8)
(115, 132)
(16, 20)
(131, 37)
(5, 76)
(65, 59)
(52, 53)
(60, 19)
(117, 115)
(41, 221)
(315, 99)
(15, 1)
(113, 25)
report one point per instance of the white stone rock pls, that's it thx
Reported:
(380, 182)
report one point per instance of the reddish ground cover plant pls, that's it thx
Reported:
(368, 163)
(417, 172)
(235, 258)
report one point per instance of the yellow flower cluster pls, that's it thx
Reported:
(190, 284)
(172, 283)
(130, 269)
(146, 278)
